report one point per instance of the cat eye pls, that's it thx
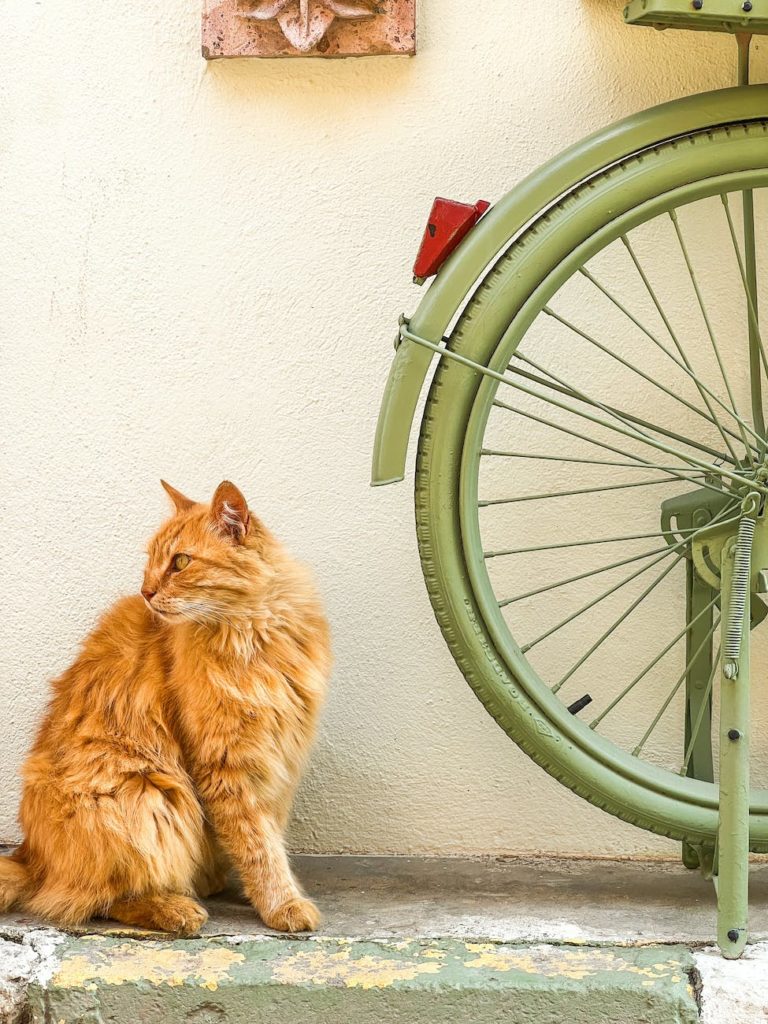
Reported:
(180, 562)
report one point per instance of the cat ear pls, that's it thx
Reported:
(180, 502)
(229, 511)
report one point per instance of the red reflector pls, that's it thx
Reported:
(449, 223)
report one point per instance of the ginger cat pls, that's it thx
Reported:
(172, 746)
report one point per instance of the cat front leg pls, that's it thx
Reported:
(253, 840)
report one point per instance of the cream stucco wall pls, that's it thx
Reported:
(201, 270)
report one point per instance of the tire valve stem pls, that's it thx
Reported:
(742, 563)
(580, 704)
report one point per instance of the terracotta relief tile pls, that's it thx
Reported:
(308, 28)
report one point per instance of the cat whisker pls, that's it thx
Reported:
(205, 614)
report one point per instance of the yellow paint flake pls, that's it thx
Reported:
(559, 962)
(434, 954)
(322, 968)
(131, 962)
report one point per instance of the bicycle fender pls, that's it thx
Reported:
(462, 272)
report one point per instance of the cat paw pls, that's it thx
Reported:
(175, 913)
(295, 915)
(181, 916)
(166, 912)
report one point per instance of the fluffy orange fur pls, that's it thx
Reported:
(172, 747)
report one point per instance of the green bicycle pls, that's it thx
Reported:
(592, 467)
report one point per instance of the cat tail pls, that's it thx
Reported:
(15, 880)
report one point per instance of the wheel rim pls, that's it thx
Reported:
(552, 703)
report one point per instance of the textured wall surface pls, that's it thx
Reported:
(200, 276)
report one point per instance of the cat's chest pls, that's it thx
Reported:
(246, 708)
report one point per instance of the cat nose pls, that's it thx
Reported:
(148, 595)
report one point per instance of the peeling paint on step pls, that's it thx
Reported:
(577, 964)
(128, 962)
(320, 967)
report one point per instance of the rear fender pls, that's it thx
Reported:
(460, 275)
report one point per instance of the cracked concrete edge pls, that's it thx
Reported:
(24, 958)
(733, 991)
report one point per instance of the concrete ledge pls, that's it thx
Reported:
(414, 940)
(327, 980)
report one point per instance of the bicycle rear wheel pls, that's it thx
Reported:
(621, 318)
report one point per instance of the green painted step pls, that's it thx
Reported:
(330, 980)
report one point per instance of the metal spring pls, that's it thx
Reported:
(740, 582)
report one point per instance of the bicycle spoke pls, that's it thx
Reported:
(707, 640)
(700, 716)
(635, 435)
(487, 503)
(574, 544)
(585, 575)
(594, 601)
(615, 624)
(652, 664)
(645, 376)
(747, 290)
(642, 463)
(623, 417)
(710, 468)
(707, 395)
(622, 583)
(749, 281)
(571, 458)
(627, 430)
(620, 359)
(700, 299)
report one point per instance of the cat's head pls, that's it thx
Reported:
(205, 564)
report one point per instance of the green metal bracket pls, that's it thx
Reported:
(708, 15)
(698, 694)
(693, 510)
(698, 699)
(681, 514)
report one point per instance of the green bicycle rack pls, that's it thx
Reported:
(598, 387)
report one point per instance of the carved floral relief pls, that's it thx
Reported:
(310, 28)
(305, 22)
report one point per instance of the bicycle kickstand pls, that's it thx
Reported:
(732, 878)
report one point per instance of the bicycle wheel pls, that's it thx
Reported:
(621, 319)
